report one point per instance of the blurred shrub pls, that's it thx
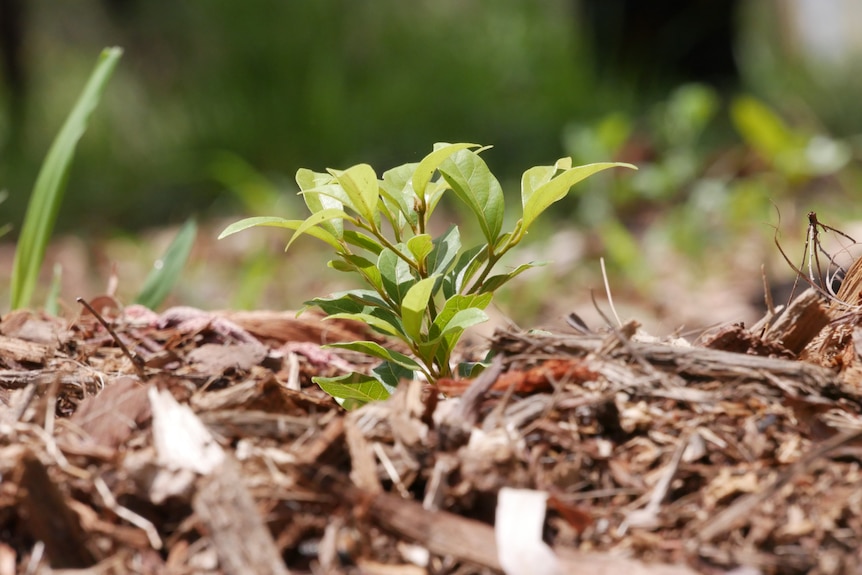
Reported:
(707, 179)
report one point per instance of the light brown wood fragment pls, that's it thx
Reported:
(22, 350)
(227, 510)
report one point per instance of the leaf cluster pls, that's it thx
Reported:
(422, 290)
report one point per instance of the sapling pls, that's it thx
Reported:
(420, 289)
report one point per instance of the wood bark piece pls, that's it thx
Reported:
(50, 519)
(221, 500)
(22, 350)
(233, 522)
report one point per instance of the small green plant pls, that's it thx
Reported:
(422, 290)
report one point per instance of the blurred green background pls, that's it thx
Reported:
(730, 109)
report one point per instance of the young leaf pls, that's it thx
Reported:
(540, 175)
(315, 220)
(420, 246)
(376, 350)
(308, 180)
(415, 305)
(397, 188)
(360, 185)
(167, 270)
(556, 189)
(275, 222)
(429, 164)
(373, 321)
(47, 195)
(476, 186)
(317, 201)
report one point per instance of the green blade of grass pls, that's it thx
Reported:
(50, 184)
(166, 272)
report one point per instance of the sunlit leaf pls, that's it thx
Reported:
(476, 186)
(360, 184)
(315, 220)
(415, 305)
(430, 163)
(397, 187)
(420, 246)
(539, 199)
(276, 222)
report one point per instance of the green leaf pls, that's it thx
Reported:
(354, 386)
(379, 324)
(445, 251)
(47, 195)
(476, 186)
(540, 175)
(308, 180)
(314, 221)
(464, 269)
(360, 184)
(376, 350)
(276, 222)
(420, 246)
(541, 198)
(318, 201)
(397, 188)
(453, 306)
(341, 302)
(167, 270)
(357, 264)
(362, 241)
(396, 274)
(430, 163)
(415, 305)
(493, 283)
(391, 374)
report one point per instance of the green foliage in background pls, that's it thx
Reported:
(167, 269)
(47, 194)
(706, 177)
(424, 290)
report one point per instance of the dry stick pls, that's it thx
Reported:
(137, 363)
(730, 516)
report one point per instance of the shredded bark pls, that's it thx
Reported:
(217, 454)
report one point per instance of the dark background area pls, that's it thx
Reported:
(329, 83)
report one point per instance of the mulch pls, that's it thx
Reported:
(207, 449)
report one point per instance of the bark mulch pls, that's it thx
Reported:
(207, 449)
